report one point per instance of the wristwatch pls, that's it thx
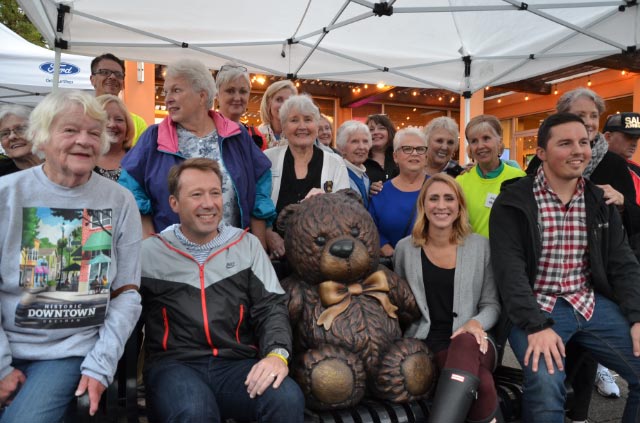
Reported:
(281, 351)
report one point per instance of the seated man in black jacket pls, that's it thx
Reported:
(217, 325)
(565, 271)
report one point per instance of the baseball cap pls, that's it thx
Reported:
(627, 122)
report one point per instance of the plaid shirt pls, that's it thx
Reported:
(564, 268)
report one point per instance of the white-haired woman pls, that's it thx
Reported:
(272, 100)
(192, 129)
(442, 141)
(14, 121)
(354, 142)
(120, 132)
(395, 222)
(234, 88)
(47, 361)
(482, 183)
(301, 169)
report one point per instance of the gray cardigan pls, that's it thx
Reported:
(474, 291)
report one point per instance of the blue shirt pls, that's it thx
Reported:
(394, 213)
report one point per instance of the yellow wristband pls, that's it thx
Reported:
(280, 356)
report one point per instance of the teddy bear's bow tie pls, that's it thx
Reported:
(336, 296)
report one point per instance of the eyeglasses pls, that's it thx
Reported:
(107, 73)
(407, 149)
(231, 67)
(18, 130)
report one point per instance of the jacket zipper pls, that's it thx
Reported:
(240, 323)
(166, 328)
(205, 315)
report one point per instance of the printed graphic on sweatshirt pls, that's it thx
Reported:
(65, 257)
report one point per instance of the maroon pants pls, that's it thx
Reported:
(464, 354)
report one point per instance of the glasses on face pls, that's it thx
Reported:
(408, 150)
(18, 130)
(107, 73)
(231, 67)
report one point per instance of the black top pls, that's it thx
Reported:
(7, 166)
(293, 190)
(376, 173)
(438, 286)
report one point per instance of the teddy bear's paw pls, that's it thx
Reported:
(330, 377)
(407, 372)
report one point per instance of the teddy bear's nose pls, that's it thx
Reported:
(342, 248)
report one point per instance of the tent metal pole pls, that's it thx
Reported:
(56, 69)
(467, 117)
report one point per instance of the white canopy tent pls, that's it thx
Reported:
(27, 71)
(459, 45)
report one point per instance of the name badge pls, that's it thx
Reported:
(491, 197)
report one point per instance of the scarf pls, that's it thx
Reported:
(598, 150)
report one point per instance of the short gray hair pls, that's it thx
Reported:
(198, 76)
(349, 129)
(58, 103)
(446, 123)
(302, 103)
(566, 100)
(403, 133)
(229, 72)
(14, 110)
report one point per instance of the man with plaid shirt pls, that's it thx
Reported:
(565, 271)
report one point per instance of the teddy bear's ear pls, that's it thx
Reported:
(350, 194)
(285, 216)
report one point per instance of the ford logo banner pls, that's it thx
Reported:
(65, 68)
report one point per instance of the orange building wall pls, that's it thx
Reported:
(608, 84)
(140, 96)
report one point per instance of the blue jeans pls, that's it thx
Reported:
(47, 392)
(212, 389)
(608, 338)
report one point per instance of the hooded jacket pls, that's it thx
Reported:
(516, 246)
(230, 306)
(145, 169)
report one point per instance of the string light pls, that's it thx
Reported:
(366, 86)
(415, 93)
(589, 82)
(380, 85)
(624, 72)
(499, 100)
(555, 91)
(440, 98)
(526, 98)
(297, 84)
(391, 95)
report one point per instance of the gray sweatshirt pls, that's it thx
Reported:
(61, 252)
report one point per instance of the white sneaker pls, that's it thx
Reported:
(606, 383)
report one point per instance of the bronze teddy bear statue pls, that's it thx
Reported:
(347, 311)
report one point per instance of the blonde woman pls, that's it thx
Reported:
(120, 133)
(448, 269)
(272, 100)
